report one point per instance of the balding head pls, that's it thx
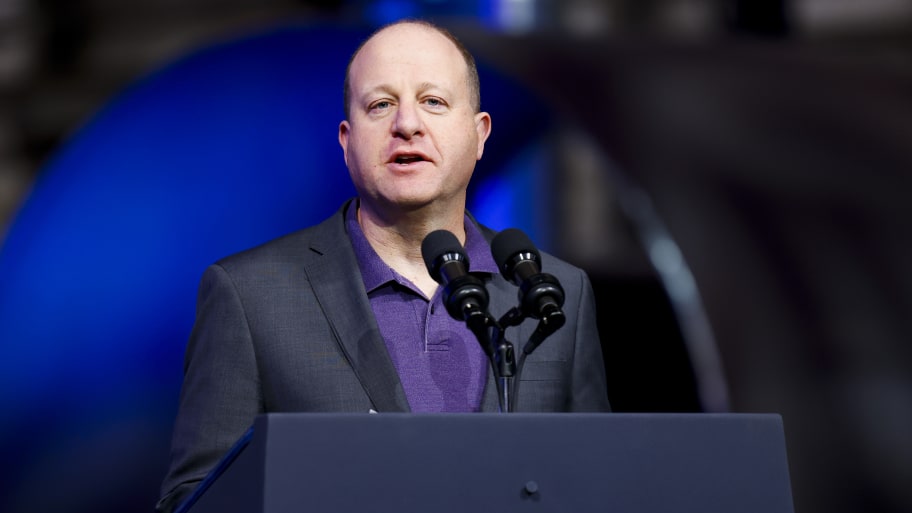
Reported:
(471, 72)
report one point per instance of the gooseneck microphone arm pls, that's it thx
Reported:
(466, 299)
(540, 294)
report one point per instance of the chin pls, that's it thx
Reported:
(411, 203)
(414, 198)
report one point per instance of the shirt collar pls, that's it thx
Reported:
(375, 272)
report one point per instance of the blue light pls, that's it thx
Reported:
(220, 151)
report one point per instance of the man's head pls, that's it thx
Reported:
(413, 132)
(472, 71)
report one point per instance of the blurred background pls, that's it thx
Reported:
(733, 174)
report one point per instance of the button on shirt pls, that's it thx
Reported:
(440, 362)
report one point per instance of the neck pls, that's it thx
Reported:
(397, 238)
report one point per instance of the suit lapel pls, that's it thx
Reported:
(332, 270)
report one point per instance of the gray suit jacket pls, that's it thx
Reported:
(287, 327)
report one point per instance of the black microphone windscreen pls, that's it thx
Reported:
(437, 244)
(507, 244)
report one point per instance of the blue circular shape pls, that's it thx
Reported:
(224, 149)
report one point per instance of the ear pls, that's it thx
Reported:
(483, 129)
(344, 133)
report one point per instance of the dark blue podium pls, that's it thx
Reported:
(529, 463)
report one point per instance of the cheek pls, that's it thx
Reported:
(362, 152)
(471, 147)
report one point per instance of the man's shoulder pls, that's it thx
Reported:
(291, 248)
(550, 264)
(568, 274)
(549, 261)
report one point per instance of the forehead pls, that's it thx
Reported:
(404, 51)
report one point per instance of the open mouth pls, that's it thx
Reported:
(407, 159)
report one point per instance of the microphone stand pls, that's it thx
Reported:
(549, 322)
(499, 351)
(491, 335)
(504, 363)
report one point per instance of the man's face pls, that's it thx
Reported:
(412, 137)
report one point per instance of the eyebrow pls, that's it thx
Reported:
(425, 86)
(390, 90)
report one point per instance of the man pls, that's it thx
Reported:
(343, 316)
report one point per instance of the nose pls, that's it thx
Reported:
(408, 122)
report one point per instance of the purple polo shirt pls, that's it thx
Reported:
(440, 363)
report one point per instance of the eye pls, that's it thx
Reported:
(380, 105)
(434, 102)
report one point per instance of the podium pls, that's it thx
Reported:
(529, 463)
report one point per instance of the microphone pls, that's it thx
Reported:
(464, 295)
(540, 294)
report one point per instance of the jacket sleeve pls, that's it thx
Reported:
(588, 386)
(221, 393)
